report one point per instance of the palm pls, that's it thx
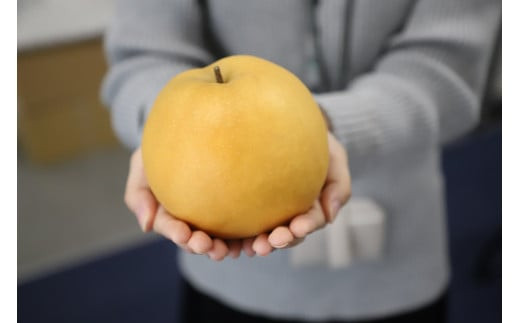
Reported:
(151, 215)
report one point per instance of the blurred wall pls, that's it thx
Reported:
(71, 168)
(60, 68)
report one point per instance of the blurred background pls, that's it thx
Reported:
(81, 255)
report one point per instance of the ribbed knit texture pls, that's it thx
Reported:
(417, 71)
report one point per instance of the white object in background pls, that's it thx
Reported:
(357, 234)
(366, 220)
(339, 246)
(48, 22)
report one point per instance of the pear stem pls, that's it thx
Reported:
(218, 75)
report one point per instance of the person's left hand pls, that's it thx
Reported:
(334, 195)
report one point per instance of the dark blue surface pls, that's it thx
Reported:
(473, 169)
(142, 284)
(138, 285)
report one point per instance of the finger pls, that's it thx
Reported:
(281, 237)
(138, 197)
(219, 250)
(168, 226)
(261, 245)
(235, 247)
(337, 189)
(200, 242)
(247, 245)
(306, 223)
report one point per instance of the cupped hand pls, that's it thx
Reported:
(152, 216)
(334, 195)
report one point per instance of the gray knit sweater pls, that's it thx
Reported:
(402, 79)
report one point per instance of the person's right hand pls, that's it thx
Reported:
(152, 216)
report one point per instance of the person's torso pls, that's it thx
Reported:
(335, 39)
(349, 36)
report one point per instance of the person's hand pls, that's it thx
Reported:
(334, 195)
(151, 216)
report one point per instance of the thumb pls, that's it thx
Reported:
(337, 189)
(138, 196)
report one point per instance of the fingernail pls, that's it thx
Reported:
(142, 216)
(282, 245)
(334, 208)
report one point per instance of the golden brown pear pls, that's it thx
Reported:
(238, 157)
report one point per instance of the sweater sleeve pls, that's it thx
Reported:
(425, 89)
(147, 44)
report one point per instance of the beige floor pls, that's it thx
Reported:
(73, 212)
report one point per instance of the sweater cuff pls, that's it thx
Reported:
(379, 117)
(135, 97)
